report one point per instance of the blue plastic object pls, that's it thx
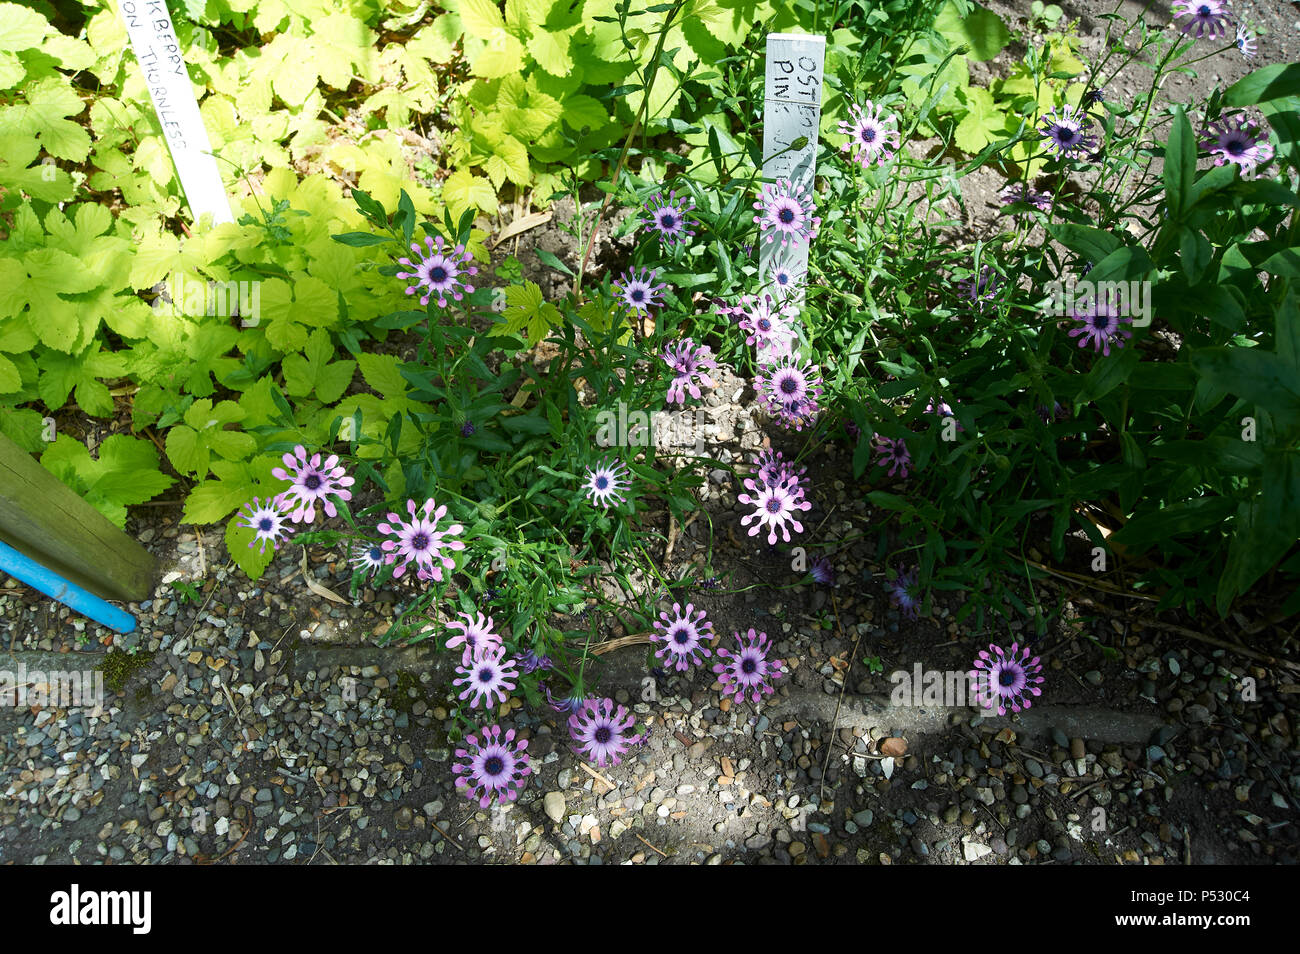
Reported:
(53, 585)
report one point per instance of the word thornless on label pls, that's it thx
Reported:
(153, 38)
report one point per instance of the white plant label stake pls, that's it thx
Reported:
(792, 107)
(153, 38)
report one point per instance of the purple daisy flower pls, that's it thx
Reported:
(668, 217)
(1093, 97)
(1057, 413)
(872, 136)
(1238, 139)
(683, 635)
(768, 326)
(822, 572)
(748, 670)
(784, 277)
(487, 673)
(983, 287)
(571, 703)
(902, 593)
(368, 557)
(893, 453)
(606, 483)
(439, 273)
(533, 662)
(786, 213)
(791, 388)
(1206, 18)
(1246, 42)
(942, 411)
(601, 729)
(1100, 323)
(775, 507)
(638, 291)
(771, 467)
(268, 519)
(1018, 192)
(1068, 132)
(467, 429)
(1006, 679)
(421, 541)
(312, 482)
(475, 633)
(494, 768)
(689, 363)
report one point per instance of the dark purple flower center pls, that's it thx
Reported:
(773, 505)
(749, 666)
(420, 541)
(1007, 677)
(764, 325)
(1204, 11)
(494, 765)
(438, 273)
(312, 482)
(667, 220)
(602, 482)
(1236, 147)
(264, 524)
(467, 429)
(681, 637)
(785, 216)
(1101, 322)
(868, 134)
(638, 294)
(376, 554)
(604, 734)
(789, 385)
(1066, 136)
(485, 674)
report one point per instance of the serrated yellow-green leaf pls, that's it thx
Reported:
(480, 17)
(551, 51)
(502, 54)
(527, 311)
(20, 28)
(463, 190)
(48, 102)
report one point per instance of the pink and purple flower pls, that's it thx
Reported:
(312, 482)
(872, 134)
(439, 273)
(495, 768)
(602, 730)
(748, 671)
(420, 541)
(786, 213)
(1007, 679)
(683, 635)
(485, 675)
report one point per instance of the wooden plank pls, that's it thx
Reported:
(44, 519)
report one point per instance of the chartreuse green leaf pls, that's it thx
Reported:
(525, 310)
(313, 372)
(126, 472)
(192, 445)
